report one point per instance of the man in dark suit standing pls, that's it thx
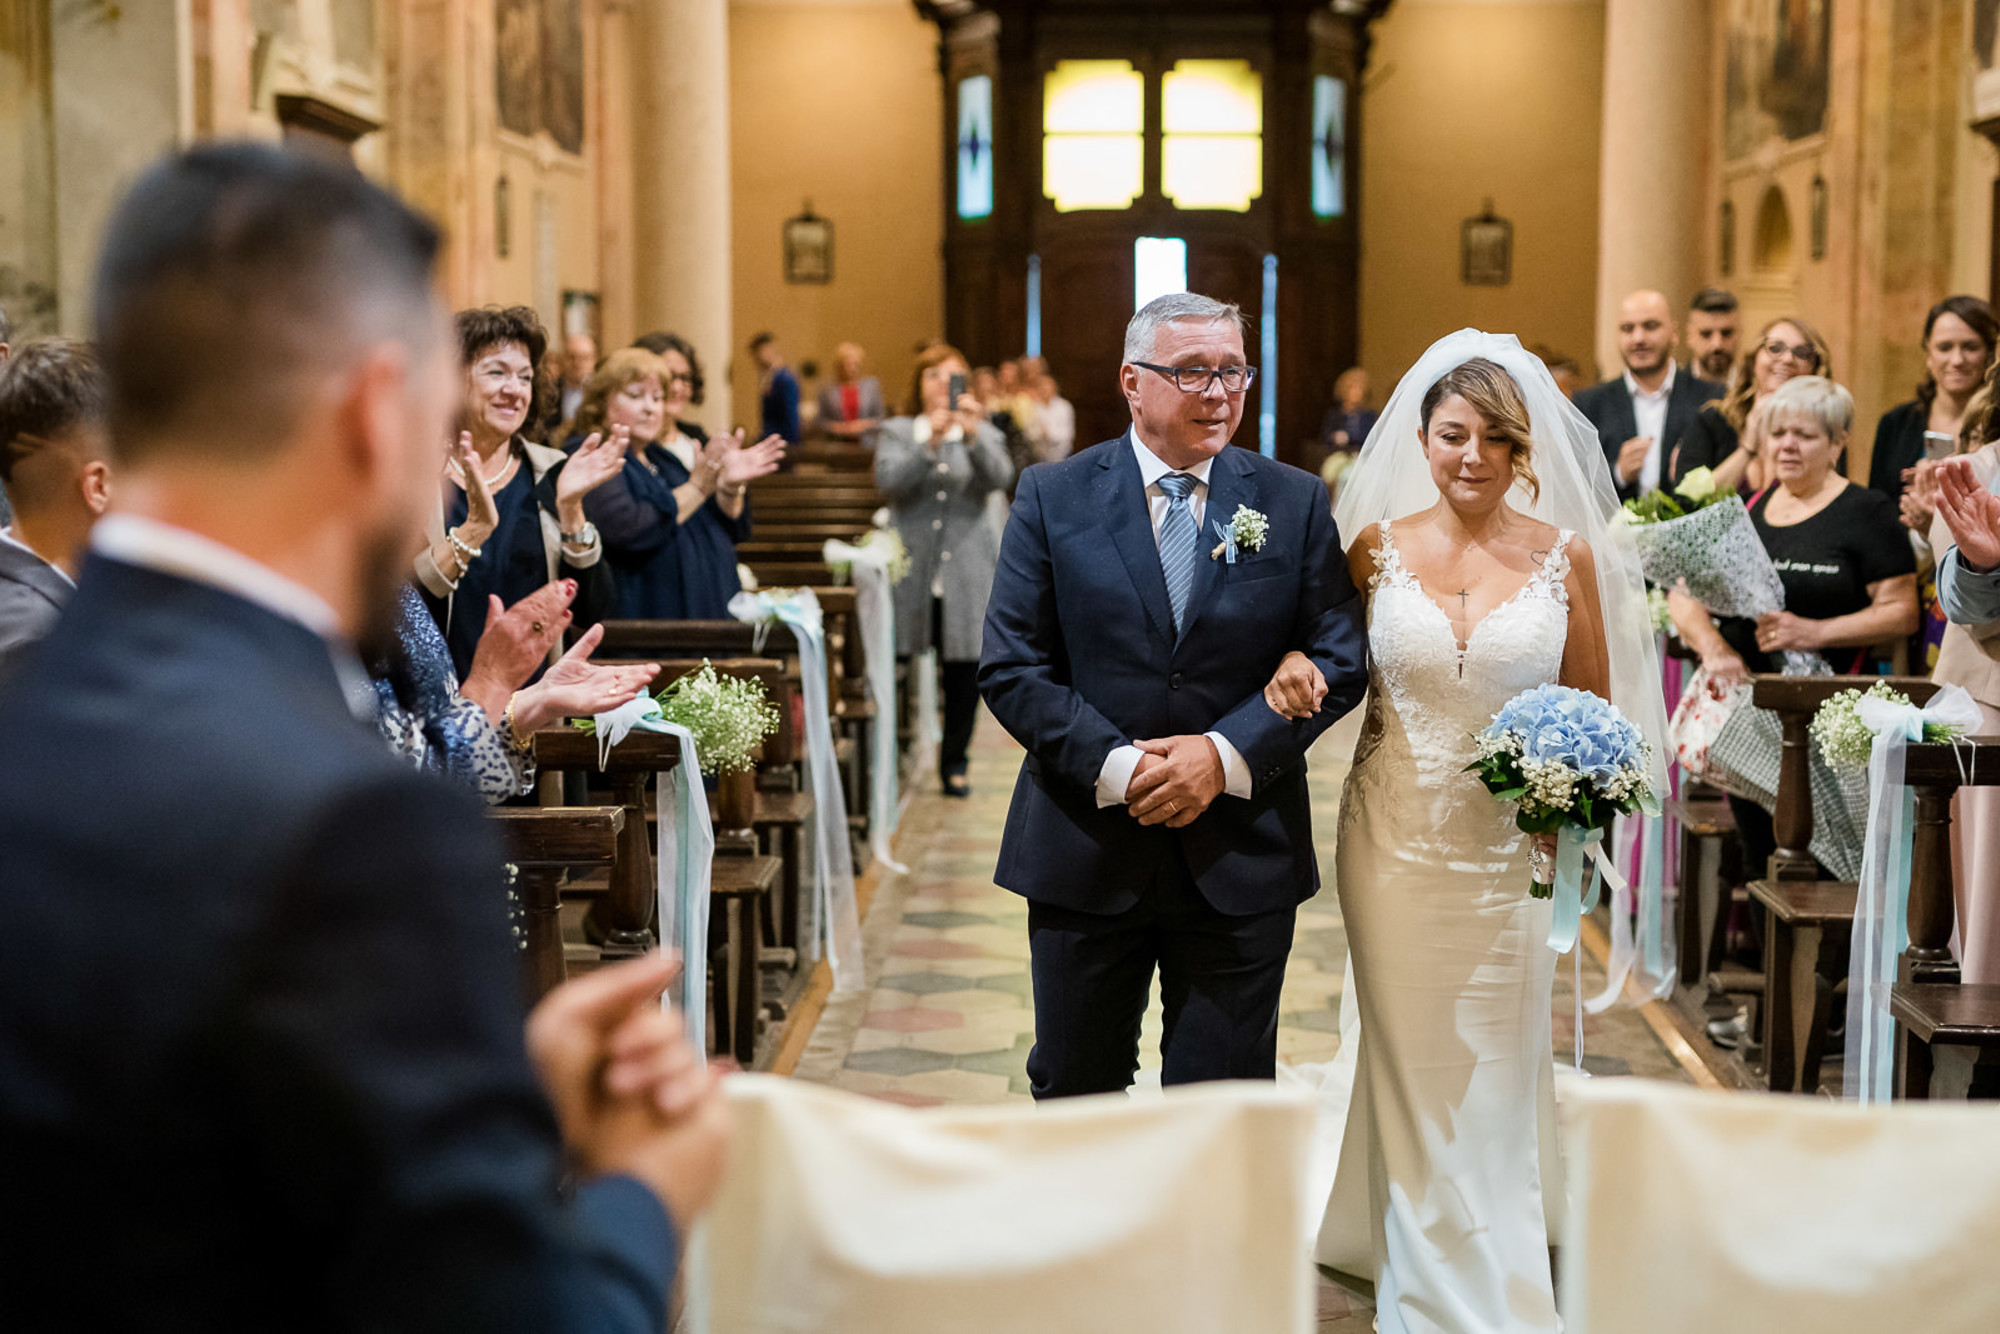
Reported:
(1161, 817)
(1641, 415)
(55, 461)
(261, 1050)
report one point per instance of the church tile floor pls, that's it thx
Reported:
(949, 1013)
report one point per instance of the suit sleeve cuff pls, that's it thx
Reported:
(1235, 773)
(1116, 776)
(631, 1231)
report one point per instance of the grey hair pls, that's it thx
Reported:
(1144, 331)
(1816, 398)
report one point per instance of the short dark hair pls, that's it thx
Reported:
(660, 342)
(483, 328)
(226, 272)
(1713, 301)
(760, 339)
(48, 388)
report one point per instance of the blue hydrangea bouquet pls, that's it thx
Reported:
(1571, 762)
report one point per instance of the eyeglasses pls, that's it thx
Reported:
(1805, 353)
(1197, 379)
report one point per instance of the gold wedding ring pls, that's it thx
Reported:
(1173, 806)
(536, 627)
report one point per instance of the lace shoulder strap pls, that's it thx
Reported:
(1555, 570)
(1388, 561)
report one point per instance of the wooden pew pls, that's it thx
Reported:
(543, 843)
(1932, 1009)
(625, 914)
(1806, 946)
(820, 457)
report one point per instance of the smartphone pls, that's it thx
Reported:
(957, 389)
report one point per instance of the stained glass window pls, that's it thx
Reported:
(1093, 114)
(1329, 147)
(975, 146)
(1212, 113)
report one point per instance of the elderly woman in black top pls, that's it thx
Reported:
(534, 531)
(1727, 437)
(1840, 551)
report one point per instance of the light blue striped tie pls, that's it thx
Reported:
(1178, 535)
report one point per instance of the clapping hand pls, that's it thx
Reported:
(736, 466)
(576, 687)
(482, 515)
(517, 640)
(1632, 457)
(1184, 775)
(1920, 493)
(1297, 689)
(630, 1093)
(1971, 512)
(595, 462)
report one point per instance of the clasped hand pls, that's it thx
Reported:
(630, 1093)
(1175, 780)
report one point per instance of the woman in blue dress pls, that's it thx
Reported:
(671, 518)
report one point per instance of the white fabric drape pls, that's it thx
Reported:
(1173, 1215)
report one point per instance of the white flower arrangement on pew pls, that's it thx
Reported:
(728, 716)
(1845, 741)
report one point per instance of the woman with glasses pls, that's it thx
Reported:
(528, 528)
(1728, 437)
(672, 516)
(938, 466)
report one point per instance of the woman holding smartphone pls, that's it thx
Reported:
(938, 465)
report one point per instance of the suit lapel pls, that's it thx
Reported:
(1230, 483)
(25, 568)
(1121, 498)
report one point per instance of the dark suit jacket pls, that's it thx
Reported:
(1081, 658)
(1899, 444)
(32, 594)
(1609, 407)
(261, 1060)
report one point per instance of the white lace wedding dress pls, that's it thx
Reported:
(1448, 1183)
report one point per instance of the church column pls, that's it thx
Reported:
(1650, 218)
(617, 170)
(681, 168)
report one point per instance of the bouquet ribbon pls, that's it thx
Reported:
(687, 849)
(870, 570)
(1882, 906)
(1640, 941)
(834, 924)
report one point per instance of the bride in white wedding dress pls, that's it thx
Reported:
(1483, 515)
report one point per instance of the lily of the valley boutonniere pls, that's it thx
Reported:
(1245, 530)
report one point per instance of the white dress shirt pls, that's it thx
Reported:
(1116, 775)
(1650, 412)
(162, 547)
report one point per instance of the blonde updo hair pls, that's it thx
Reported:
(1494, 395)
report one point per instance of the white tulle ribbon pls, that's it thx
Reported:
(833, 927)
(1641, 941)
(685, 859)
(1882, 903)
(869, 567)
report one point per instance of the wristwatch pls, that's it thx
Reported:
(582, 537)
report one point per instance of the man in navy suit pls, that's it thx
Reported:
(262, 1062)
(1641, 416)
(1161, 818)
